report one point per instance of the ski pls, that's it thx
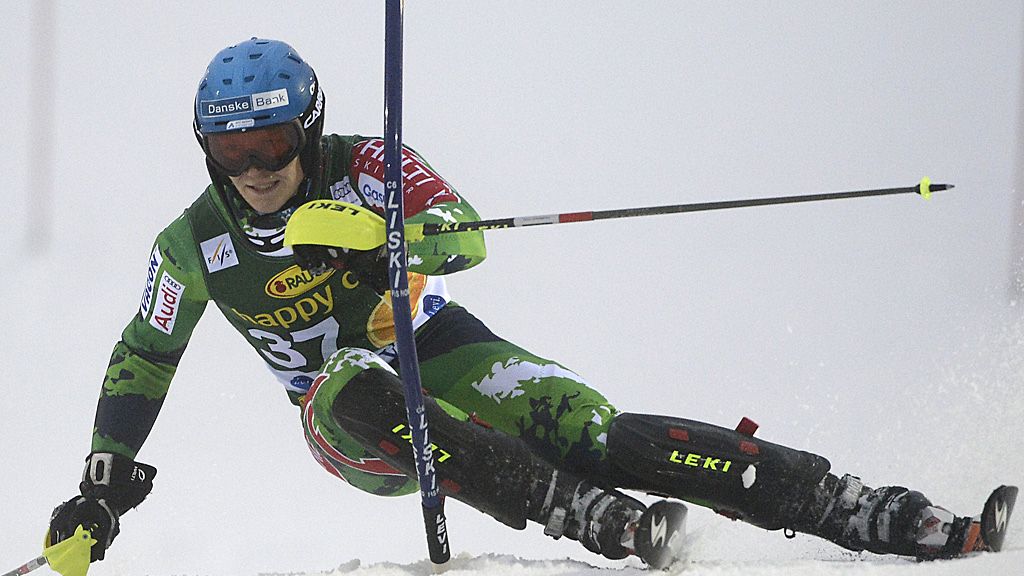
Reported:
(660, 534)
(995, 519)
(944, 536)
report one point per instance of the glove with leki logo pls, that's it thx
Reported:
(111, 485)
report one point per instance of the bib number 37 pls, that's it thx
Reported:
(280, 351)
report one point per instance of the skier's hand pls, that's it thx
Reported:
(111, 485)
(94, 515)
(368, 266)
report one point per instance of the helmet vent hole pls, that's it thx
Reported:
(227, 81)
(249, 78)
(255, 56)
(284, 75)
(228, 59)
(294, 58)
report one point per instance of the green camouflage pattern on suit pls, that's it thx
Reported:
(494, 383)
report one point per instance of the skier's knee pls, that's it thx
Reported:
(333, 448)
(735, 474)
(485, 468)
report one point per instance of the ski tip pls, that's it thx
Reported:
(659, 538)
(995, 517)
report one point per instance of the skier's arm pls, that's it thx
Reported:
(131, 397)
(145, 359)
(140, 370)
(446, 253)
(427, 197)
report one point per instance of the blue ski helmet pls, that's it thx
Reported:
(259, 83)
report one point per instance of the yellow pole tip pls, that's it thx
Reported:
(924, 188)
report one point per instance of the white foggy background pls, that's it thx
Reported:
(880, 333)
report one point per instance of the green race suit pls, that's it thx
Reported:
(295, 321)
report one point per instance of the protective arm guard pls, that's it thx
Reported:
(735, 474)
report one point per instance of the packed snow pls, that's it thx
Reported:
(501, 565)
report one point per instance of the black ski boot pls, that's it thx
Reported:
(895, 520)
(612, 524)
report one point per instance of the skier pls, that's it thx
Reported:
(517, 436)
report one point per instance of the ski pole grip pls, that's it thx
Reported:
(437, 533)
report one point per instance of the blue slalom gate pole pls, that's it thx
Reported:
(433, 503)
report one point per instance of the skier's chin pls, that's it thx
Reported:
(267, 197)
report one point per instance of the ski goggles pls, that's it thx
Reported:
(271, 148)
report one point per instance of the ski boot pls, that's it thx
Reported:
(614, 525)
(895, 520)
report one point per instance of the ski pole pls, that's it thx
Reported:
(28, 567)
(924, 188)
(335, 223)
(433, 503)
(68, 557)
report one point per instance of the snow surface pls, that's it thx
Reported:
(500, 564)
(883, 333)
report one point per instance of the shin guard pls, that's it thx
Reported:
(491, 471)
(735, 474)
(484, 468)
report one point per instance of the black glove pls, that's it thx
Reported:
(111, 485)
(369, 267)
(94, 515)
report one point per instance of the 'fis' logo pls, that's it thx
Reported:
(155, 260)
(219, 253)
(167, 301)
